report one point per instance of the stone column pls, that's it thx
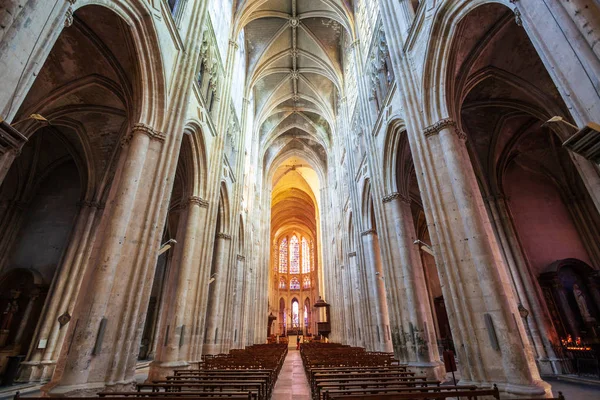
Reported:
(413, 327)
(89, 357)
(586, 16)
(239, 302)
(176, 331)
(216, 302)
(482, 293)
(26, 315)
(377, 289)
(9, 10)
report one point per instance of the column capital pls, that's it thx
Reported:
(354, 44)
(233, 44)
(438, 126)
(198, 201)
(152, 133)
(352, 254)
(222, 235)
(446, 123)
(368, 232)
(241, 257)
(396, 196)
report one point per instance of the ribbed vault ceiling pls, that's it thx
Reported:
(294, 51)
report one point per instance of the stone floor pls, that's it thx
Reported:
(291, 383)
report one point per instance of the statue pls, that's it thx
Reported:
(582, 304)
(9, 312)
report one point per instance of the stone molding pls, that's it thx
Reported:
(241, 257)
(396, 196)
(198, 201)
(145, 129)
(352, 254)
(369, 232)
(222, 235)
(446, 123)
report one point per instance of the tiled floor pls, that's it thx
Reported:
(291, 383)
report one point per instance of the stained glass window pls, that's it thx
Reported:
(282, 283)
(306, 282)
(295, 255)
(305, 257)
(294, 284)
(283, 256)
(295, 316)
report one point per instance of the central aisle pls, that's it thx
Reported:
(292, 383)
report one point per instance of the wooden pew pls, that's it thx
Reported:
(438, 392)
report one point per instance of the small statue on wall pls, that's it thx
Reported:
(11, 309)
(582, 304)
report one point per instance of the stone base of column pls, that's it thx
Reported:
(433, 370)
(539, 389)
(160, 370)
(551, 366)
(36, 371)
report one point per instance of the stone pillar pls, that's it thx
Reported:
(108, 308)
(216, 302)
(239, 302)
(377, 290)
(177, 328)
(481, 292)
(413, 326)
(586, 15)
(9, 10)
(26, 315)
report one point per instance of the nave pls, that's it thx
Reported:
(192, 181)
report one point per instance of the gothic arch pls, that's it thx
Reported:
(150, 89)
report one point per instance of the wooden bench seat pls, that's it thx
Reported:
(323, 387)
(403, 392)
(466, 394)
(179, 395)
(258, 387)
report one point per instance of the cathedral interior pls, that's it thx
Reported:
(197, 185)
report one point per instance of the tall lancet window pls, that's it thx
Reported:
(305, 256)
(295, 255)
(283, 256)
(295, 314)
